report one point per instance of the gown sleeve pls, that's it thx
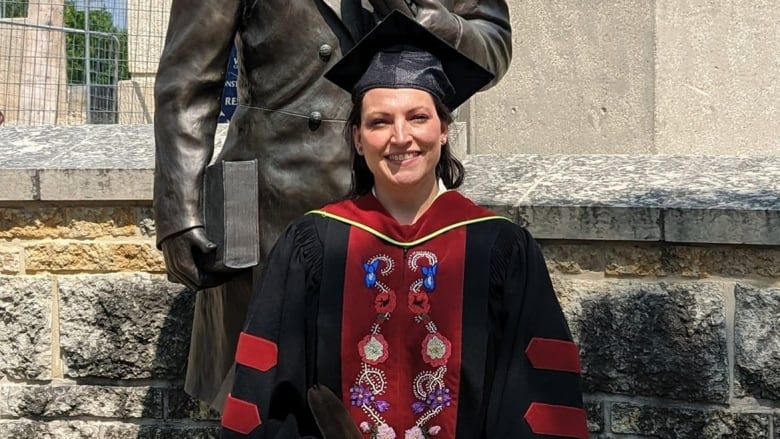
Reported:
(268, 398)
(536, 390)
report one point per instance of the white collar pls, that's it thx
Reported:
(442, 189)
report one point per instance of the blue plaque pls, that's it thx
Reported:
(229, 92)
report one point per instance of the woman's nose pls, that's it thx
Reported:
(401, 132)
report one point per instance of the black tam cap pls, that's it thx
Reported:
(401, 53)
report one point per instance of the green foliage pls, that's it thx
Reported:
(103, 49)
(13, 8)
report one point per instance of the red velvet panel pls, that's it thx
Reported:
(557, 420)
(256, 352)
(552, 354)
(241, 416)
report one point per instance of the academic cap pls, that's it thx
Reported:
(401, 53)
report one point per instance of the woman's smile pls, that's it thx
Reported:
(403, 157)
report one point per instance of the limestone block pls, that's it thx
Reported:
(608, 223)
(147, 23)
(674, 423)
(17, 184)
(573, 258)
(732, 261)
(161, 431)
(74, 256)
(777, 422)
(722, 226)
(67, 222)
(183, 406)
(595, 413)
(124, 326)
(634, 261)
(78, 147)
(581, 81)
(654, 339)
(716, 77)
(10, 260)
(95, 184)
(136, 100)
(25, 327)
(757, 342)
(68, 401)
(145, 219)
(500, 183)
(49, 430)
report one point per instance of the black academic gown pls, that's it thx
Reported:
(449, 325)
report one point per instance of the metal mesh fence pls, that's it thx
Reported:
(79, 61)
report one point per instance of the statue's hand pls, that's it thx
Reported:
(437, 19)
(180, 252)
(430, 13)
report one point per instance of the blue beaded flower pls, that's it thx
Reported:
(371, 268)
(429, 282)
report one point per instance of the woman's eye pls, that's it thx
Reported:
(421, 117)
(376, 122)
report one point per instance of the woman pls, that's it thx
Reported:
(429, 315)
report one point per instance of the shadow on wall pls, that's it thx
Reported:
(665, 343)
(184, 416)
(127, 336)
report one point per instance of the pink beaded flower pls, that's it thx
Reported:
(373, 349)
(436, 349)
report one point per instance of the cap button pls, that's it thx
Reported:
(315, 120)
(325, 52)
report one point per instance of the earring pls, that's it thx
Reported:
(359, 149)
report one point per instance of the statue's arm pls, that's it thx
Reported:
(187, 91)
(478, 28)
(485, 34)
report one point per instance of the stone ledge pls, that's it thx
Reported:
(695, 199)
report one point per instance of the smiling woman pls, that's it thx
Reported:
(400, 137)
(427, 315)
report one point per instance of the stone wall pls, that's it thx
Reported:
(93, 338)
(636, 77)
(667, 267)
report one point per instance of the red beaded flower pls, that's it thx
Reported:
(419, 302)
(385, 302)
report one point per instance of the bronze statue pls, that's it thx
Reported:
(289, 118)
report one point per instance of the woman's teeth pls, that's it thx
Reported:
(402, 157)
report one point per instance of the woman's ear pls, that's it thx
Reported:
(445, 132)
(356, 140)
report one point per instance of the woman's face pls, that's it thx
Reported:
(400, 135)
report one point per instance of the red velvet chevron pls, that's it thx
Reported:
(239, 415)
(557, 420)
(256, 352)
(552, 354)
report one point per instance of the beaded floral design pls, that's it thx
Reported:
(430, 391)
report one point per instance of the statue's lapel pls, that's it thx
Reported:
(335, 5)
